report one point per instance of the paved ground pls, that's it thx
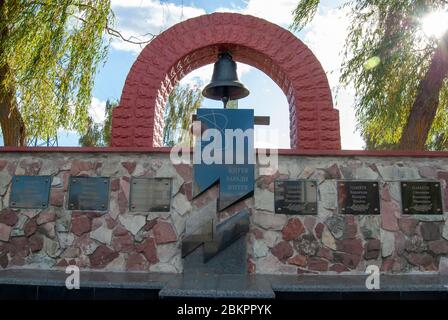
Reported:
(32, 284)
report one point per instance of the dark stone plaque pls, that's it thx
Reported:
(421, 197)
(30, 192)
(150, 194)
(295, 196)
(358, 197)
(88, 193)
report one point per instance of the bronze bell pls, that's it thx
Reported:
(225, 85)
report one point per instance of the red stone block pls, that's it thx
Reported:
(439, 246)
(283, 250)
(420, 259)
(372, 249)
(129, 166)
(46, 216)
(115, 184)
(408, 226)
(122, 202)
(351, 246)
(298, 260)
(102, 256)
(3, 164)
(123, 243)
(389, 210)
(430, 231)
(149, 250)
(349, 260)
(319, 229)
(293, 229)
(36, 242)
(164, 232)
(318, 264)
(30, 227)
(4, 260)
(8, 217)
(387, 264)
(80, 224)
(5, 232)
(325, 253)
(185, 171)
(57, 197)
(136, 262)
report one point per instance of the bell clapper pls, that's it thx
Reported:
(225, 100)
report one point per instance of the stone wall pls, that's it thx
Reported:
(119, 240)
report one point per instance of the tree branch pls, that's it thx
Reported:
(113, 32)
(117, 34)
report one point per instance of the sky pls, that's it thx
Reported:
(324, 36)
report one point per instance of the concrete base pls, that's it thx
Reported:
(43, 285)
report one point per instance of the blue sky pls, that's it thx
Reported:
(324, 36)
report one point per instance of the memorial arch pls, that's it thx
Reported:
(138, 120)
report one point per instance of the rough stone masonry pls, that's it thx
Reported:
(120, 240)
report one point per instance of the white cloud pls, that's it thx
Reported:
(97, 110)
(278, 12)
(141, 18)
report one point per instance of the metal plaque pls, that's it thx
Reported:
(358, 197)
(150, 194)
(295, 196)
(88, 193)
(30, 192)
(421, 197)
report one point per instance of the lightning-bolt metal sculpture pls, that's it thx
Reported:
(226, 154)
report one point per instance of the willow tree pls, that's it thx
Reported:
(182, 103)
(99, 134)
(49, 53)
(399, 72)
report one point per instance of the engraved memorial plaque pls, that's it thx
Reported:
(88, 193)
(421, 197)
(358, 197)
(30, 192)
(150, 194)
(295, 196)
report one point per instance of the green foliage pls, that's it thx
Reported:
(304, 13)
(53, 49)
(182, 103)
(99, 134)
(386, 55)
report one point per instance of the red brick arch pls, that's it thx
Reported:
(138, 121)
